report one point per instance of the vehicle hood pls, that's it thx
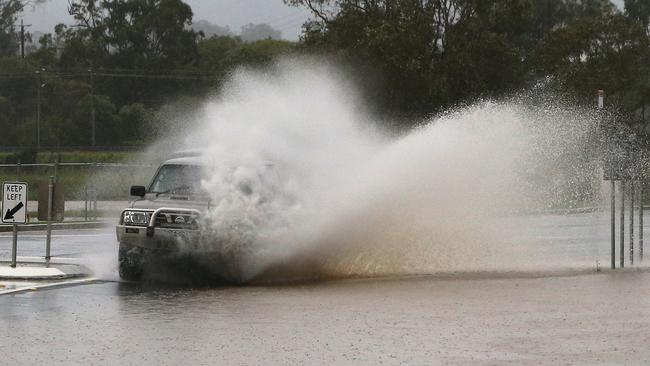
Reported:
(172, 201)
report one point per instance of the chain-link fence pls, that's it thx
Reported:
(91, 190)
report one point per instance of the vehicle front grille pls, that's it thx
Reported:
(177, 220)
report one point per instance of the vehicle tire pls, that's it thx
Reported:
(130, 263)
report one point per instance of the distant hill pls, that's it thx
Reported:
(210, 29)
(248, 33)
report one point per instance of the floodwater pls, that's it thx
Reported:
(589, 319)
(566, 313)
(416, 264)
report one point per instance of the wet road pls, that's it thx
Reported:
(573, 241)
(592, 318)
(65, 243)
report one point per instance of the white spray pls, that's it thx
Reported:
(303, 183)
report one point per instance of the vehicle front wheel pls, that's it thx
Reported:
(130, 263)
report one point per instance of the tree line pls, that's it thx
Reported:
(124, 62)
(433, 54)
(120, 66)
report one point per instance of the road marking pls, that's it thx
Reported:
(50, 285)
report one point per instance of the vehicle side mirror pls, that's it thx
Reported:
(138, 191)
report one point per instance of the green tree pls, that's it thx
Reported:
(216, 54)
(136, 123)
(219, 55)
(9, 10)
(606, 52)
(429, 54)
(260, 52)
(639, 11)
(109, 129)
(141, 36)
(490, 52)
(257, 32)
(432, 54)
(59, 98)
(46, 55)
(7, 120)
(18, 87)
(134, 34)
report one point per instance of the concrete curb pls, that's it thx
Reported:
(35, 287)
(57, 226)
(38, 271)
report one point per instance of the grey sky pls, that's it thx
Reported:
(232, 13)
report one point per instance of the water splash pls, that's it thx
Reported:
(303, 183)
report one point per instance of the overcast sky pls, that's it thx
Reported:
(232, 13)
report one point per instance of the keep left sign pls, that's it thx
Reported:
(14, 203)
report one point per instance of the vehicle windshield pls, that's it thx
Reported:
(177, 179)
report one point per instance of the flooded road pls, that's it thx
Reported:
(572, 316)
(590, 319)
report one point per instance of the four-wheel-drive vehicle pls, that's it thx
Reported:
(164, 220)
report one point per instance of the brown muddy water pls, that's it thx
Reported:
(555, 310)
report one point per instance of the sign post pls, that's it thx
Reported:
(610, 174)
(601, 99)
(50, 196)
(14, 210)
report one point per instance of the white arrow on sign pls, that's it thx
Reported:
(14, 203)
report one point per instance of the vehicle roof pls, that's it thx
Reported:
(196, 157)
(186, 153)
(193, 160)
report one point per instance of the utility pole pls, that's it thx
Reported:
(39, 85)
(22, 38)
(92, 108)
(548, 17)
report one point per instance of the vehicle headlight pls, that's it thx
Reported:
(136, 218)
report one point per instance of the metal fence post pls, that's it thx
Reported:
(622, 225)
(641, 221)
(14, 241)
(613, 222)
(86, 202)
(632, 193)
(91, 202)
(95, 201)
(14, 247)
(50, 193)
(95, 196)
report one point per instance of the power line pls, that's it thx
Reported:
(109, 73)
